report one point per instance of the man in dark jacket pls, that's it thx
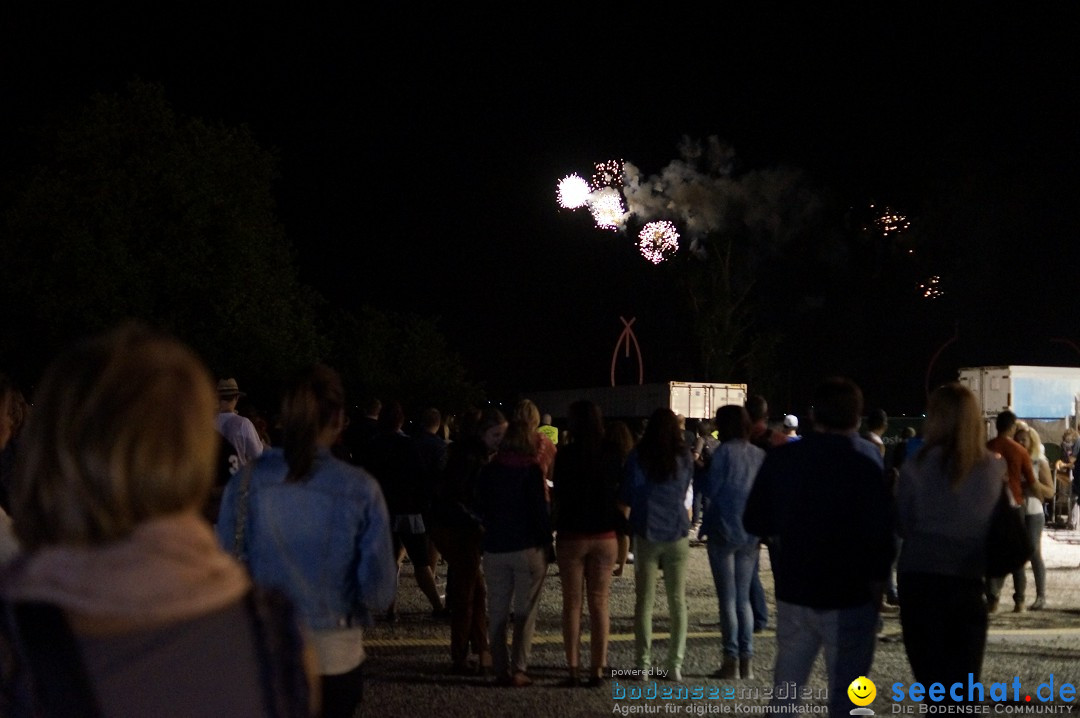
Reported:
(824, 507)
(395, 461)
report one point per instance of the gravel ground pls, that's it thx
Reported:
(408, 662)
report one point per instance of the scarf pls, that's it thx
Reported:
(170, 569)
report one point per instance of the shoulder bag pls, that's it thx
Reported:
(1008, 546)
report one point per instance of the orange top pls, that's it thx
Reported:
(1018, 460)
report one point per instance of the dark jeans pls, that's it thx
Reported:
(466, 593)
(342, 695)
(757, 594)
(994, 585)
(944, 625)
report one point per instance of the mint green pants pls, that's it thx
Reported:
(649, 558)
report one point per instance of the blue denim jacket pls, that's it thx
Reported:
(324, 541)
(657, 509)
(726, 487)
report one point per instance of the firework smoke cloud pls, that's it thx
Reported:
(698, 192)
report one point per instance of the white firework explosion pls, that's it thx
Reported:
(607, 208)
(658, 241)
(573, 191)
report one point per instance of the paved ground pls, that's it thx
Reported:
(408, 662)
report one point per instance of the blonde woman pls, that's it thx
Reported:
(945, 498)
(123, 582)
(526, 412)
(1034, 516)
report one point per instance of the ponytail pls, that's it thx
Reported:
(312, 402)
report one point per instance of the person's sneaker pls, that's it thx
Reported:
(1018, 607)
(1040, 604)
(992, 605)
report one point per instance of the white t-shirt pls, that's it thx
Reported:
(1033, 505)
(241, 433)
(339, 650)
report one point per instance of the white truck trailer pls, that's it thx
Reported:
(1046, 397)
(1048, 393)
(694, 400)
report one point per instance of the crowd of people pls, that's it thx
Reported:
(148, 524)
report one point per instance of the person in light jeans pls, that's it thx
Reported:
(514, 579)
(847, 637)
(517, 537)
(654, 494)
(733, 553)
(823, 504)
(1034, 517)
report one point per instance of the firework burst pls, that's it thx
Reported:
(573, 192)
(931, 288)
(658, 241)
(608, 174)
(607, 208)
(890, 222)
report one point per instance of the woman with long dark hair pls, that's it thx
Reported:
(945, 498)
(317, 528)
(587, 473)
(654, 492)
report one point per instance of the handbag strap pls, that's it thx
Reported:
(243, 501)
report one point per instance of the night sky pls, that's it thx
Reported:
(420, 149)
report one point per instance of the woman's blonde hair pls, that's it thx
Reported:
(954, 423)
(526, 411)
(520, 438)
(122, 431)
(1035, 448)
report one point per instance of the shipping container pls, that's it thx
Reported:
(694, 400)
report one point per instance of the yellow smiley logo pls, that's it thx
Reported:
(862, 691)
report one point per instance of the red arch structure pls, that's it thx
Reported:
(628, 338)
